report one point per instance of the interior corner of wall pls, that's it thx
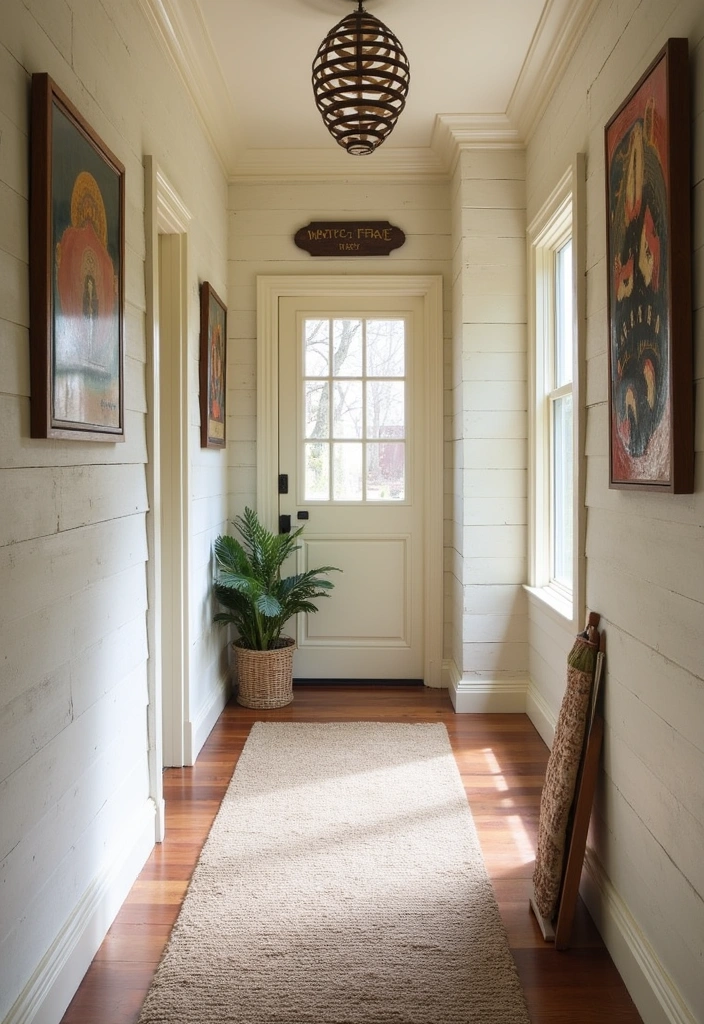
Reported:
(540, 713)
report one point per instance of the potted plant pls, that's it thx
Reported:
(259, 602)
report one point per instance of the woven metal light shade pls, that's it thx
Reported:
(360, 81)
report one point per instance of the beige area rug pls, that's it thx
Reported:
(342, 883)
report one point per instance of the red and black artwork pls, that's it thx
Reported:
(649, 286)
(213, 365)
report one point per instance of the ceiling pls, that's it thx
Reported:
(480, 70)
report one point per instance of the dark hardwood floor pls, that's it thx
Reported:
(502, 762)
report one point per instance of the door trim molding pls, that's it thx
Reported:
(164, 214)
(429, 288)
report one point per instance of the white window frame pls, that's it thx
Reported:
(561, 217)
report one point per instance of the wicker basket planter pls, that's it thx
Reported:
(265, 678)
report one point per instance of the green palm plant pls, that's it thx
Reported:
(249, 583)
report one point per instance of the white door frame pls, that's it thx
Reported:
(164, 214)
(429, 288)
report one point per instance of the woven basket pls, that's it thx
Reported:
(265, 678)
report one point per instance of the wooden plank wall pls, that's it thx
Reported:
(73, 683)
(487, 551)
(645, 564)
(262, 222)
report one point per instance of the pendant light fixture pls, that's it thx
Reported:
(360, 81)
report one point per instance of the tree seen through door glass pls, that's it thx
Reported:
(347, 411)
(347, 342)
(347, 472)
(386, 411)
(385, 476)
(317, 408)
(386, 348)
(317, 458)
(360, 423)
(317, 348)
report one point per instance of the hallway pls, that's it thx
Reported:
(502, 762)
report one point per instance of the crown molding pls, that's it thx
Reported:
(333, 163)
(183, 38)
(559, 30)
(453, 133)
(182, 35)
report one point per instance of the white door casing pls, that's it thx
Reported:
(385, 621)
(166, 215)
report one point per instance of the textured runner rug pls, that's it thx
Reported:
(342, 883)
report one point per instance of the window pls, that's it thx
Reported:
(558, 389)
(354, 405)
(555, 427)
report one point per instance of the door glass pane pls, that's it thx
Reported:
(386, 472)
(317, 408)
(317, 347)
(562, 491)
(347, 348)
(386, 348)
(386, 411)
(347, 472)
(347, 409)
(563, 315)
(317, 470)
(354, 398)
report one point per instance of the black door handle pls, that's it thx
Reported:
(284, 524)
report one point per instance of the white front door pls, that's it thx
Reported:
(349, 407)
(351, 437)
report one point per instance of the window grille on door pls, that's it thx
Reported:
(354, 409)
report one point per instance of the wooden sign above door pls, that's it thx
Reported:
(349, 238)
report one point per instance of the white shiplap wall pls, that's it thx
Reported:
(263, 220)
(645, 566)
(486, 552)
(75, 817)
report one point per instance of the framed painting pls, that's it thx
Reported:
(213, 361)
(651, 398)
(77, 257)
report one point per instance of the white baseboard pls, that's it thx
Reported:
(650, 986)
(52, 986)
(160, 820)
(197, 732)
(540, 714)
(486, 696)
(450, 674)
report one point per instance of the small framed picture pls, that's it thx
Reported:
(77, 256)
(651, 399)
(213, 362)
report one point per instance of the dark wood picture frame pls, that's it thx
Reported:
(77, 259)
(213, 367)
(649, 280)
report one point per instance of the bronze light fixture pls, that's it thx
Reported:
(360, 81)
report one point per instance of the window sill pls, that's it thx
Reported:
(558, 607)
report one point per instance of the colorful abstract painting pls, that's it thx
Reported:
(641, 272)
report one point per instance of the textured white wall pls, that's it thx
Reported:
(73, 760)
(263, 220)
(487, 549)
(645, 563)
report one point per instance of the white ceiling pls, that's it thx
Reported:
(484, 64)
